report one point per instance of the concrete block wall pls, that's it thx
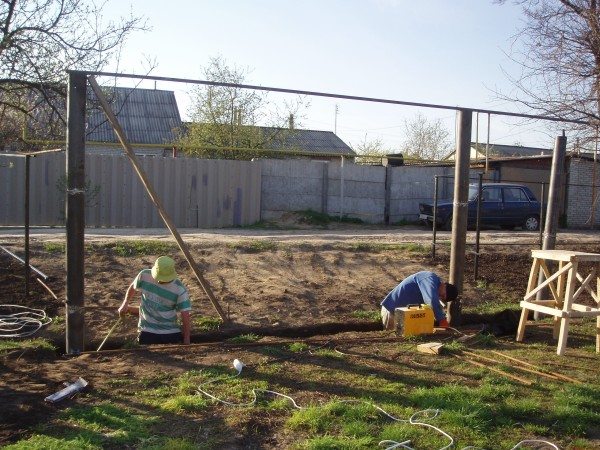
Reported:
(292, 185)
(580, 206)
(356, 191)
(411, 185)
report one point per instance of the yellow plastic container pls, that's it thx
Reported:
(414, 320)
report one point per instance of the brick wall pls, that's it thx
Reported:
(580, 205)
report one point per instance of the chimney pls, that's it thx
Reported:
(291, 121)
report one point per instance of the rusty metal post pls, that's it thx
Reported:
(461, 194)
(543, 195)
(75, 209)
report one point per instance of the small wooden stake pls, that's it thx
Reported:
(493, 369)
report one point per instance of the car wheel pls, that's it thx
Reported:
(531, 223)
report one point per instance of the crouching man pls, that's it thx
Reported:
(163, 295)
(420, 288)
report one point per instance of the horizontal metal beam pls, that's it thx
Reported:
(338, 96)
(25, 154)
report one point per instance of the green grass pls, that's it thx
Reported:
(254, 246)
(204, 323)
(298, 347)
(378, 247)
(55, 247)
(311, 217)
(139, 247)
(243, 338)
(36, 343)
(91, 427)
(368, 315)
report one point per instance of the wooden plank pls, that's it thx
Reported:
(546, 271)
(525, 369)
(565, 255)
(557, 375)
(563, 334)
(155, 199)
(544, 309)
(531, 293)
(493, 369)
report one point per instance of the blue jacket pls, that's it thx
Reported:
(422, 287)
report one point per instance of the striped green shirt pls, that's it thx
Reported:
(160, 303)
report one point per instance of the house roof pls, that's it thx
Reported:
(313, 141)
(148, 116)
(503, 151)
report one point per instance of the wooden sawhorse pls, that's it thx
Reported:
(562, 284)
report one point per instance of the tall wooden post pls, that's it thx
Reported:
(75, 209)
(461, 194)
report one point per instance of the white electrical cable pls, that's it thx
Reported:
(428, 413)
(23, 323)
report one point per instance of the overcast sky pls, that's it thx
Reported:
(450, 52)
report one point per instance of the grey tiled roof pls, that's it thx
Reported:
(313, 141)
(147, 116)
(512, 150)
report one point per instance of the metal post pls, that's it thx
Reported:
(556, 176)
(435, 202)
(542, 214)
(342, 188)
(461, 193)
(27, 268)
(75, 208)
(478, 224)
(552, 210)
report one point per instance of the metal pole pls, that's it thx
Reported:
(435, 202)
(342, 188)
(552, 210)
(542, 214)
(461, 193)
(478, 224)
(27, 268)
(556, 176)
(75, 209)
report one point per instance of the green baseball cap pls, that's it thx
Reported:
(164, 269)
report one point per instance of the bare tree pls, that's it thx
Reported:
(370, 151)
(425, 139)
(226, 120)
(558, 50)
(39, 41)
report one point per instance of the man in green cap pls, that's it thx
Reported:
(162, 296)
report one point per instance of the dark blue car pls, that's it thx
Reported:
(503, 204)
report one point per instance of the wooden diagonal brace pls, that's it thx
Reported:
(153, 196)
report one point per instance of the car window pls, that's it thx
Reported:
(515, 194)
(492, 194)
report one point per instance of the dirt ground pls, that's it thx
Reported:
(277, 284)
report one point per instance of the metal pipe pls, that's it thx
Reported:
(326, 94)
(434, 224)
(461, 194)
(543, 195)
(478, 224)
(556, 175)
(39, 272)
(27, 268)
(342, 188)
(75, 212)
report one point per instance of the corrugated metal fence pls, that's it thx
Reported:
(195, 192)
